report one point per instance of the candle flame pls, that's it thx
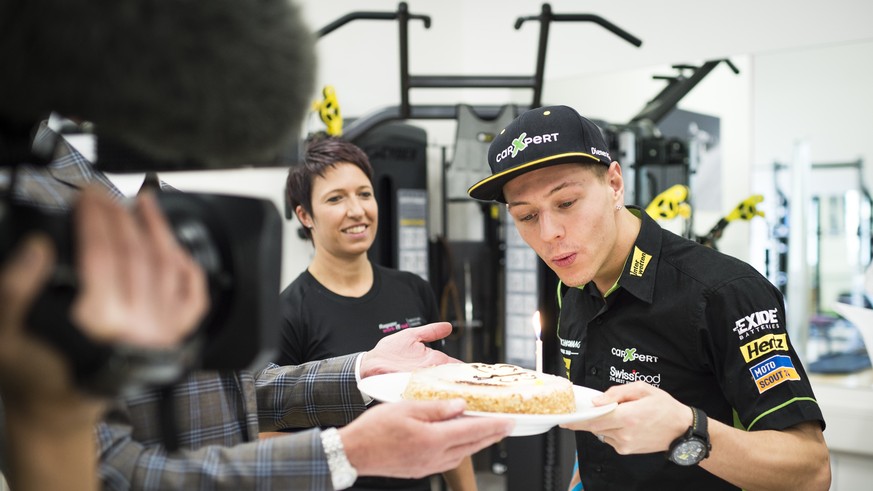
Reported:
(536, 323)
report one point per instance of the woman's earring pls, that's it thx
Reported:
(618, 207)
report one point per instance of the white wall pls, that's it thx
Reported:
(478, 38)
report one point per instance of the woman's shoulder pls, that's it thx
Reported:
(300, 285)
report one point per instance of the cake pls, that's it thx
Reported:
(499, 388)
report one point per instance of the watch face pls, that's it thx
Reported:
(689, 452)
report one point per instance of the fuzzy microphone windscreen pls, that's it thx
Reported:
(223, 83)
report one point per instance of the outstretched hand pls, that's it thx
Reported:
(406, 350)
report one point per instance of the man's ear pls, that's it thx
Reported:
(615, 179)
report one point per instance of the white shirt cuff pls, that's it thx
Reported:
(367, 399)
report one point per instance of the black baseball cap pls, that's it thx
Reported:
(538, 138)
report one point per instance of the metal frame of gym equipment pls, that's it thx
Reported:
(405, 110)
(639, 141)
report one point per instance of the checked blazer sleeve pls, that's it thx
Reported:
(217, 417)
(318, 393)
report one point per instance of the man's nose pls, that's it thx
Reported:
(550, 228)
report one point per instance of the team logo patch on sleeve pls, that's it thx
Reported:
(763, 345)
(773, 371)
(762, 320)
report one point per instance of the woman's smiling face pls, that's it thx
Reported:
(345, 214)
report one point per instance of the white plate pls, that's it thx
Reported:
(389, 388)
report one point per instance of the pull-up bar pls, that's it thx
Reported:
(407, 81)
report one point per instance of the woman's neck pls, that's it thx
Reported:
(346, 277)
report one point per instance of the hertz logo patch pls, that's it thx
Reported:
(639, 262)
(763, 345)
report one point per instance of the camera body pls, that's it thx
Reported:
(237, 242)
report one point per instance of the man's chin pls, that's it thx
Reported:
(573, 281)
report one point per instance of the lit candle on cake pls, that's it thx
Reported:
(539, 342)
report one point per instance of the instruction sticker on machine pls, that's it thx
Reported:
(773, 371)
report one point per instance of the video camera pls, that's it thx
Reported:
(186, 86)
(236, 241)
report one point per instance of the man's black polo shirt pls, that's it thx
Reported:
(705, 327)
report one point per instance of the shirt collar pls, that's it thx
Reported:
(641, 266)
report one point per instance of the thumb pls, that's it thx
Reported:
(433, 332)
(622, 393)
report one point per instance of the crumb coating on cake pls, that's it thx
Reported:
(500, 388)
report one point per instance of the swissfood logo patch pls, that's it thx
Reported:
(522, 142)
(640, 262)
(764, 345)
(622, 376)
(772, 372)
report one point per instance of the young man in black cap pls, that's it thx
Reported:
(691, 343)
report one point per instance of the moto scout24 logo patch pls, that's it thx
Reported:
(763, 320)
(772, 372)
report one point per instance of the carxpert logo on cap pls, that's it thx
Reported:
(539, 138)
(520, 143)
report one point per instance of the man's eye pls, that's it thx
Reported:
(527, 218)
(567, 204)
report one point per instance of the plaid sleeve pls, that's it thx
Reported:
(217, 430)
(319, 393)
(295, 461)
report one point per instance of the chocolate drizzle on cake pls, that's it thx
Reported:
(500, 372)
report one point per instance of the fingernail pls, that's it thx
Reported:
(457, 405)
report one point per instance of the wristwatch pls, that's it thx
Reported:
(693, 446)
(342, 473)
